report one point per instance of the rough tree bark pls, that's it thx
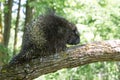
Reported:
(73, 57)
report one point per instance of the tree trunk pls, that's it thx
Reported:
(16, 27)
(7, 20)
(29, 12)
(73, 57)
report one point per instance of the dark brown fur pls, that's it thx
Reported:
(46, 35)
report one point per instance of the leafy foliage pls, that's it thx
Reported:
(5, 54)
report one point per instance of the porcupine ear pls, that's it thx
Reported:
(50, 11)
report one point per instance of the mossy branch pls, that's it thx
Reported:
(76, 56)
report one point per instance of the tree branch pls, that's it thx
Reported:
(73, 57)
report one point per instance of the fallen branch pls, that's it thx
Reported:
(73, 57)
